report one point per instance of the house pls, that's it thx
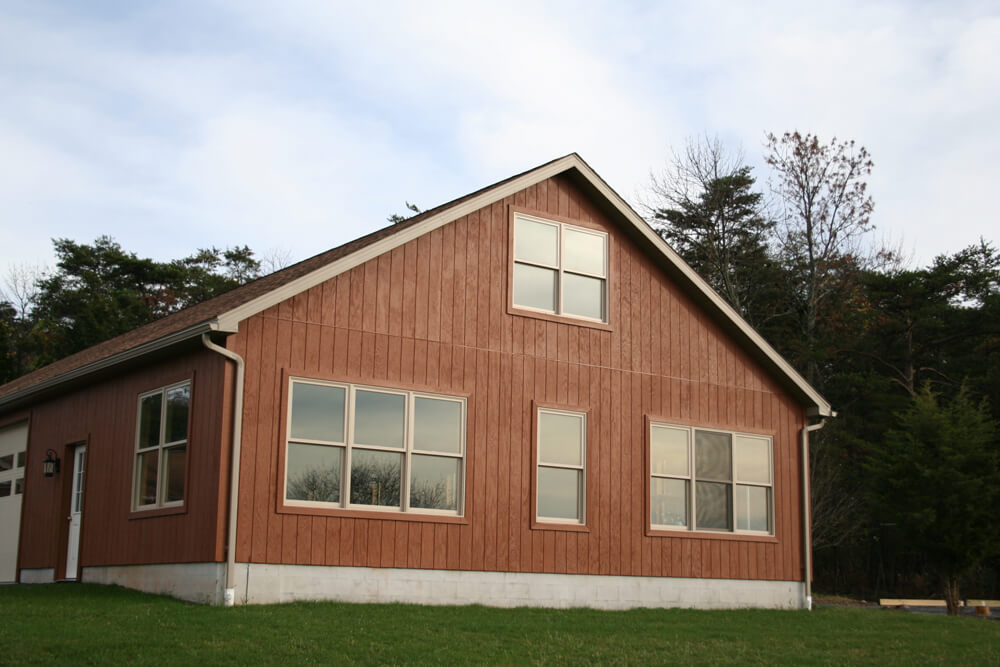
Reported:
(521, 397)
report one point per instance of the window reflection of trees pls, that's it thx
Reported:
(375, 482)
(316, 484)
(372, 483)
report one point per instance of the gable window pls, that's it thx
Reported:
(710, 480)
(560, 268)
(353, 446)
(562, 453)
(161, 447)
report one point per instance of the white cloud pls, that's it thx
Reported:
(304, 125)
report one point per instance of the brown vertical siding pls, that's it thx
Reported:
(104, 417)
(433, 314)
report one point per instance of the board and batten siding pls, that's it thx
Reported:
(104, 416)
(433, 314)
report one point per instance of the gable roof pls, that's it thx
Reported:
(224, 312)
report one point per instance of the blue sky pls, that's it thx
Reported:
(295, 126)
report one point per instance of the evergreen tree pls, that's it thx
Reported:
(707, 210)
(937, 479)
(100, 291)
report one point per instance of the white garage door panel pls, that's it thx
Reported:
(13, 448)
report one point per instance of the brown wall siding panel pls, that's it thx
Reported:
(104, 416)
(433, 314)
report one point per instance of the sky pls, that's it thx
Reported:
(293, 127)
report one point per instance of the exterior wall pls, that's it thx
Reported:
(433, 314)
(104, 416)
(262, 583)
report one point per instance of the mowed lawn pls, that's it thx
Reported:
(87, 624)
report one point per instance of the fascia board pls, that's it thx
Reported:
(108, 362)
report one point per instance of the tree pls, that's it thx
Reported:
(275, 259)
(937, 478)
(210, 272)
(396, 218)
(18, 298)
(100, 291)
(9, 342)
(826, 212)
(835, 493)
(706, 209)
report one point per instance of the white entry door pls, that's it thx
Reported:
(13, 448)
(75, 511)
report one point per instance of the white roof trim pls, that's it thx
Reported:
(228, 321)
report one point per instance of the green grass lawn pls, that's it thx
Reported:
(88, 624)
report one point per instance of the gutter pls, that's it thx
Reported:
(806, 518)
(229, 596)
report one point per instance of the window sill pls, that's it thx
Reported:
(158, 511)
(708, 535)
(560, 319)
(382, 515)
(565, 527)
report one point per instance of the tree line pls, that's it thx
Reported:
(906, 483)
(98, 291)
(906, 480)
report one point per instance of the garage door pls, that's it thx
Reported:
(13, 448)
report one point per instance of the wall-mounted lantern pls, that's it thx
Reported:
(50, 466)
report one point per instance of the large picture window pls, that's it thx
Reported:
(161, 447)
(354, 446)
(560, 269)
(562, 454)
(710, 480)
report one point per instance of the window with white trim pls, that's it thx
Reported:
(560, 268)
(710, 480)
(562, 454)
(161, 447)
(361, 447)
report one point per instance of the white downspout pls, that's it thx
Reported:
(806, 519)
(229, 597)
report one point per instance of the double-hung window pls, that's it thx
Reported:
(710, 480)
(161, 447)
(560, 269)
(354, 446)
(562, 454)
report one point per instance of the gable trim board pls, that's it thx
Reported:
(227, 320)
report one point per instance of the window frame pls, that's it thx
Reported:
(559, 314)
(559, 523)
(160, 448)
(344, 506)
(692, 529)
